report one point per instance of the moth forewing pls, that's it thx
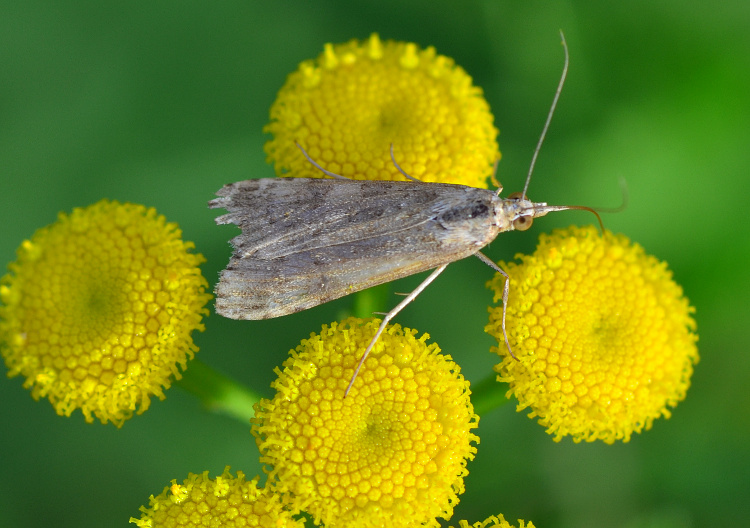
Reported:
(308, 241)
(282, 216)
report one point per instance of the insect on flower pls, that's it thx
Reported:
(307, 241)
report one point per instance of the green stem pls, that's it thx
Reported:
(488, 394)
(219, 393)
(370, 300)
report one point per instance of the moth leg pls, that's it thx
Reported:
(402, 171)
(506, 290)
(493, 178)
(317, 166)
(390, 315)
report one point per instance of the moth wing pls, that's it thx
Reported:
(252, 288)
(284, 216)
(308, 241)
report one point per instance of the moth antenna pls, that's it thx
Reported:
(402, 171)
(585, 208)
(595, 210)
(623, 200)
(549, 114)
(315, 164)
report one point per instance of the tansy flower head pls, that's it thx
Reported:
(392, 453)
(227, 501)
(604, 337)
(98, 310)
(494, 522)
(356, 99)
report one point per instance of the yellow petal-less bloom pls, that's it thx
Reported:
(392, 453)
(494, 522)
(226, 501)
(98, 309)
(356, 99)
(604, 337)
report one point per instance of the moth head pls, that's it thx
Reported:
(524, 210)
(524, 220)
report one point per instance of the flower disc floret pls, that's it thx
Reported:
(350, 104)
(98, 309)
(604, 337)
(392, 453)
(226, 501)
(494, 522)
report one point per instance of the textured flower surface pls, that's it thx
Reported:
(494, 522)
(356, 99)
(604, 337)
(226, 501)
(98, 309)
(392, 453)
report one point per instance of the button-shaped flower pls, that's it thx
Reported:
(226, 501)
(98, 309)
(604, 337)
(350, 104)
(391, 453)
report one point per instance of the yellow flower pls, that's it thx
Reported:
(494, 522)
(98, 310)
(391, 453)
(604, 337)
(227, 501)
(356, 99)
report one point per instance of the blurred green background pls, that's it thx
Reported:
(163, 102)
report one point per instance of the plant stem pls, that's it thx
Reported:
(488, 394)
(219, 393)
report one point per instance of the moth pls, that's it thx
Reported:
(307, 241)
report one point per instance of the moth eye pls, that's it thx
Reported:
(517, 196)
(522, 223)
